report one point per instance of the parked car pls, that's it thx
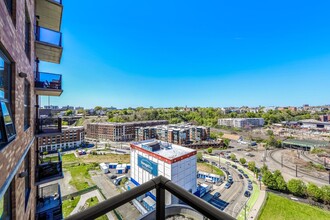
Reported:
(245, 175)
(234, 166)
(113, 177)
(230, 181)
(247, 194)
(250, 187)
(227, 186)
(249, 181)
(241, 171)
(217, 195)
(240, 176)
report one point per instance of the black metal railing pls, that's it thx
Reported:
(58, 1)
(49, 203)
(48, 81)
(49, 169)
(48, 36)
(161, 184)
(49, 125)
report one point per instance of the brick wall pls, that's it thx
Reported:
(12, 43)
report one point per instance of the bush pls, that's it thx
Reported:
(297, 187)
(314, 192)
(209, 150)
(326, 194)
(233, 157)
(242, 161)
(269, 180)
(199, 157)
(252, 166)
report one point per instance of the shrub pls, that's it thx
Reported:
(297, 187)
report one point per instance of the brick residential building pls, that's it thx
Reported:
(175, 133)
(70, 138)
(117, 131)
(25, 31)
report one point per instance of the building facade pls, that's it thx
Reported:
(241, 122)
(117, 131)
(25, 31)
(70, 138)
(151, 158)
(181, 134)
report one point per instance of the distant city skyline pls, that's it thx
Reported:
(218, 53)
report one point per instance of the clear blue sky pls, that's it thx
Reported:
(129, 53)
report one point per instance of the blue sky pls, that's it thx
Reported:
(216, 53)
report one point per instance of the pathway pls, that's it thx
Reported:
(257, 205)
(83, 199)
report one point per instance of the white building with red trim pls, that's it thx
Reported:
(151, 158)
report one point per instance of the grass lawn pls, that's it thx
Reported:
(109, 158)
(205, 167)
(93, 201)
(80, 176)
(68, 205)
(280, 208)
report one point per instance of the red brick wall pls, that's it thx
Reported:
(12, 42)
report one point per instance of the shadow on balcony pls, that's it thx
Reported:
(48, 84)
(49, 13)
(49, 203)
(49, 169)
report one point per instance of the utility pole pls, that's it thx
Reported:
(296, 170)
(282, 160)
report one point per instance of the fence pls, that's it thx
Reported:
(69, 196)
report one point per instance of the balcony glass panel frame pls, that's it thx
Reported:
(49, 202)
(49, 169)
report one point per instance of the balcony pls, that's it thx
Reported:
(48, 45)
(48, 126)
(49, 203)
(49, 13)
(161, 184)
(49, 169)
(48, 84)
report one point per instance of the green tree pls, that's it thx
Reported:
(232, 157)
(297, 187)
(199, 157)
(242, 160)
(263, 169)
(98, 108)
(314, 192)
(68, 112)
(226, 142)
(280, 182)
(269, 180)
(326, 194)
(252, 165)
(209, 150)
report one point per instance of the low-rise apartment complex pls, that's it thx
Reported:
(117, 131)
(70, 137)
(175, 133)
(241, 122)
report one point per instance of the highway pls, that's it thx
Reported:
(235, 194)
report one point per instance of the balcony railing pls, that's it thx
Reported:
(48, 45)
(48, 126)
(48, 84)
(49, 203)
(49, 169)
(161, 184)
(49, 13)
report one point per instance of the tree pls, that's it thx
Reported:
(270, 133)
(226, 142)
(242, 160)
(297, 187)
(252, 165)
(326, 194)
(209, 150)
(213, 135)
(314, 192)
(68, 112)
(199, 157)
(280, 182)
(263, 169)
(233, 157)
(98, 108)
(269, 180)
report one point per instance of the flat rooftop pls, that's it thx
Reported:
(307, 143)
(167, 150)
(127, 123)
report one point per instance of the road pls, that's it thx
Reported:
(235, 194)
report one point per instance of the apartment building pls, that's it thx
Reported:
(175, 133)
(29, 33)
(117, 131)
(241, 122)
(70, 138)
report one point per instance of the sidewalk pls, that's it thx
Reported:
(83, 199)
(257, 205)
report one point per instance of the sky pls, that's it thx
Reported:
(216, 53)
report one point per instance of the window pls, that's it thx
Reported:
(27, 100)
(7, 128)
(27, 181)
(5, 205)
(27, 34)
